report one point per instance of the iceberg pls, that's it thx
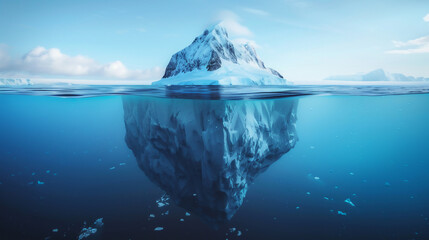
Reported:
(15, 82)
(204, 153)
(215, 59)
(378, 75)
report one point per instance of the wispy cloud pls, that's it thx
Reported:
(256, 11)
(426, 18)
(232, 23)
(419, 45)
(52, 62)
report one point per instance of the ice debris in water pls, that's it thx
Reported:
(349, 202)
(40, 183)
(232, 229)
(122, 164)
(326, 198)
(55, 230)
(342, 213)
(152, 215)
(308, 193)
(158, 229)
(187, 214)
(48, 171)
(297, 208)
(86, 232)
(182, 220)
(165, 213)
(352, 173)
(316, 178)
(112, 168)
(163, 200)
(238, 233)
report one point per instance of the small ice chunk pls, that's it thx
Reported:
(163, 201)
(238, 233)
(158, 229)
(297, 208)
(40, 183)
(182, 220)
(187, 214)
(112, 168)
(352, 173)
(194, 194)
(160, 204)
(349, 202)
(316, 178)
(151, 215)
(308, 193)
(232, 229)
(55, 230)
(122, 164)
(326, 198)
(342, 213)
(48, 171)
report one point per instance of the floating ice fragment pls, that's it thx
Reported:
(308, 193)
(182, 220)
(326, 198)
(55, 174)
(354, 194)
(194, 194)
(122, 164)
(349, 202)
(158, 229)
(352, 173)
(163, 200)
(86, 232)
(40, 183)
(166, 213)
(316, 178)
(342, 213)
(238, 233)
(112, 168)
(187, 214)
(232, 229)
(297, 208)
(99, 222)
(151, 215)
(48, 171)
(55, 230)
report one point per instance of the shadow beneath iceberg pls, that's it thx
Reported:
(205, 153)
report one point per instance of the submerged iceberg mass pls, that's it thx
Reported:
(378, 75)
(214, 59)
(204, 154)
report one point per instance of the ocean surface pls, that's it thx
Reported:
(300, 162)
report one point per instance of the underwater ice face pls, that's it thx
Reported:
(204, 153)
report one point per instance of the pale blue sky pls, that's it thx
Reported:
(303, 39)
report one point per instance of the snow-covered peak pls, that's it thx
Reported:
(214, 58)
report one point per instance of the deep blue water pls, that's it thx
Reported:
(370, 149)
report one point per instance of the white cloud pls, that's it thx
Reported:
(231, 23)
(419, 45)
(426, 18)
(256, 11)
(52, 62)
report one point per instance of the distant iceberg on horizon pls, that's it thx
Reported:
(15, 82)
(214, 59)
(377, 76)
